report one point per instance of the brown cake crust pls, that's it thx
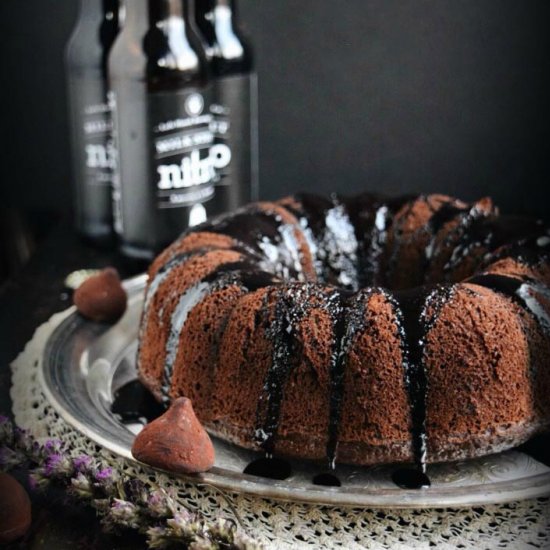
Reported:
(155, 326)
(275, 357)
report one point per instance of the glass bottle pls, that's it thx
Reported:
(235, 97)
(160, 95)
(90, 117)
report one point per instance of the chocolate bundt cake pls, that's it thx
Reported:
(361, 330)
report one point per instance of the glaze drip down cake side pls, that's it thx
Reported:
(357, 330)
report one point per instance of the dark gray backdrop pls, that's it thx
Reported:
(390, 95)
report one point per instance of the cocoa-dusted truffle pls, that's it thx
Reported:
(176, 441)
(101, 298)
(15, 509)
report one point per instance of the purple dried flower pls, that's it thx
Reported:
(82, 463)
(106, 482)
(50, 447)
(158, 537)
(158, 505)
(52, 463)
(181, 519)
(81, 486)
(124, 513)
(57, 464)
(223, 530)
(104, 474)
(53, 446)
(37, 480)
(184, 525)
(136, 491)
(142, 508)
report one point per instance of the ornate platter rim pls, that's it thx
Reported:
(67, 401)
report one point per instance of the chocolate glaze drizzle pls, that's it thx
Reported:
(475, 230)
(371, 217)
(134, 403)
(264, 234)
(414, 322)
(446, 213)
(378, 237)
(409, 478)
(347, 314)
(326, 480)
(192, 297)
(263, 278)
(531, 251)
(289, 310)
(485, 232)
(342, 330)
(328, 227)
(270, 468)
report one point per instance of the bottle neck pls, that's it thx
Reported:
(216, 20)
(91, 9)
(111, 11)
(100, 12)
(226, 48)
(209, 5)
(96, 30)
(153, 12)
(136, 16)
(164, 9)
(167, 17)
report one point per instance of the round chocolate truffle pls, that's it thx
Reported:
(101, 298)
(15, 509)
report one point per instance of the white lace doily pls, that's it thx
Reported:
(288, 525)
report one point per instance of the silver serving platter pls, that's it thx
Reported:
(85, 363)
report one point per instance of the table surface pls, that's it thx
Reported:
(27, 301)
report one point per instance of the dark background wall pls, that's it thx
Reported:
(391, 95)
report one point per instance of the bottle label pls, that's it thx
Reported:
(168, 164)
(93, 152)
(116, 194)
(98, 148)
(187, 162)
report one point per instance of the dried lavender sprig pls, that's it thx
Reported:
(120, 501)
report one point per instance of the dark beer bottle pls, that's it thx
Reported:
(235, 97)
(167, 160)
(90, 117)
